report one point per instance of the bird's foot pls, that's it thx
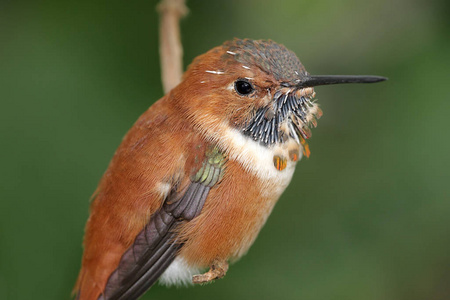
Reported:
(217, 270)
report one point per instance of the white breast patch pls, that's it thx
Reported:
(258, 159)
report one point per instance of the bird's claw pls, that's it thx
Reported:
(217, 270)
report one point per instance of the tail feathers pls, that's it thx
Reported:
(86, 288)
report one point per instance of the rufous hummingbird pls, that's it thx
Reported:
(197, 175)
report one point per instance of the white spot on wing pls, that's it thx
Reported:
(163, 189)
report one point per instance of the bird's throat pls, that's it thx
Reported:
(289, 116)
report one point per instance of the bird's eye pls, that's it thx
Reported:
(243, 87)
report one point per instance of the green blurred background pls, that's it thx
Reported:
(367, 216)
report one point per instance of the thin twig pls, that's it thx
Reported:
(170, 48)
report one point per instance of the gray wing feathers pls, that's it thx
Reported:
(155, 247)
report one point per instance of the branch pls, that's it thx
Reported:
(170, 48)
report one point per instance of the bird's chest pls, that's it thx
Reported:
(272, 167)
(255, 177)
(237, 208)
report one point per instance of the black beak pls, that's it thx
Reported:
(338, 79)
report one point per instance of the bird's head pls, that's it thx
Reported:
(257, 87)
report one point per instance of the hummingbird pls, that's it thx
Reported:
(196, 177)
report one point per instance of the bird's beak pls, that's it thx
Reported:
(315, 80)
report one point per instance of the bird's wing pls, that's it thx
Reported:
(156, 246)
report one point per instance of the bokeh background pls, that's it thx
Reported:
(367, 216)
